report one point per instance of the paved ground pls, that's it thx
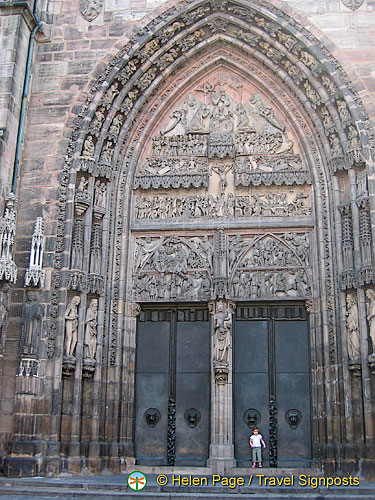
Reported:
(108, 487)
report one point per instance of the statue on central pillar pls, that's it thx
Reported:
(222, 332)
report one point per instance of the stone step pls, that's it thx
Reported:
(110, 487)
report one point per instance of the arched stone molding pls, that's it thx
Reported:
(290, 66)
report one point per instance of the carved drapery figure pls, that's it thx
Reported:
(222, 332)
(90, 330)
(370, 294)
(100, 197)
(352, 327)
(71, 326)
(31, 319)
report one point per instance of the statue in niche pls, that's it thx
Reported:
(362, 184)
(90, 330)
(352, 327)
(97, 122)
(82, 186)
(71, 326)
(222, 333)
(370, 294)
(88, 147)
(100, 199)
(31, 319)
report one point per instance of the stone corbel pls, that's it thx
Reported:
(132, 309)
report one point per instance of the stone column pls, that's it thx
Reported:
(221, 447)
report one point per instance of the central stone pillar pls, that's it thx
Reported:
(221, 448)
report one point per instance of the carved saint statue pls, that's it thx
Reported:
(90, 330)
(370, 294)
(352, 327)
(222, 328)
(71, 326)
(31, 319)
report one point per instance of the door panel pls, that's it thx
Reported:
(271, 363)
(172, 365)
(152, 368)
(293, 393)
(250, 385)
(192, 391)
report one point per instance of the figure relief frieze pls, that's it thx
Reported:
(273, 204)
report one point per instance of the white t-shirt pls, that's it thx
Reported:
(256, 440)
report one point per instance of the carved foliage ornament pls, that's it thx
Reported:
(90, 9)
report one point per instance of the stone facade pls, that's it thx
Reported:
(204, 152)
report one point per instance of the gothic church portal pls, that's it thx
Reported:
(210, 264)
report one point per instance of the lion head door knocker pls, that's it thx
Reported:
(293, 418)
(152, 416)
(251, 418)
(192, 417)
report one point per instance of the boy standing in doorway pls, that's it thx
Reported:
(256, 443)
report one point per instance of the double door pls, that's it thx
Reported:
(172, 412)
(272, 384)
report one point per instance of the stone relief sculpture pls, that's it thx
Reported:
(352, 328)
(270, 204)
(90, 330)
(71, 326)
(31, 320)
(171, 268)
(90, 9)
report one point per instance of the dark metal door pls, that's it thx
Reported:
(272, 384)
(172, 386)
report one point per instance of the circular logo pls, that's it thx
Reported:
(137, 481)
